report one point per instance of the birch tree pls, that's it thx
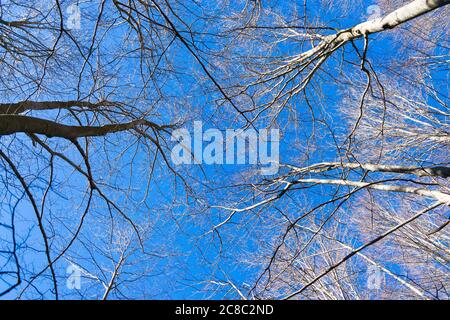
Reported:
(91, 93)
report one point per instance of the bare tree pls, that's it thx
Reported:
(385, 172)
(86, 117)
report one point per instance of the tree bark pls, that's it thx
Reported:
(22, 106)
(440, 196)
(436, 171)
(10, 124)
(406, 13)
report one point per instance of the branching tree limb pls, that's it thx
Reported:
(10, 124)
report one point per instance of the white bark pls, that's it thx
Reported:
(440, 196)
(408, 12)
(437, 171)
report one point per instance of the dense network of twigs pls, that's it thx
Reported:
(87, 112)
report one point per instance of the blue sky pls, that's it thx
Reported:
(181, 256)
